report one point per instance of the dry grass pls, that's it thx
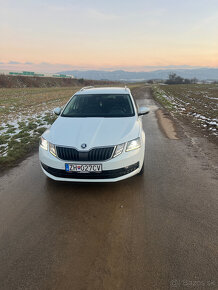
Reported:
(198, 103)
(14, 102)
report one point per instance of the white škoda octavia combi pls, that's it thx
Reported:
(97, 137)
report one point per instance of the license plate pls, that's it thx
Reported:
(83, 168)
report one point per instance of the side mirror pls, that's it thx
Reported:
(57, 111)
(143, 111)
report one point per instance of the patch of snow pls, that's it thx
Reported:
(14, 123)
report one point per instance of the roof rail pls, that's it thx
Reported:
(86, 88)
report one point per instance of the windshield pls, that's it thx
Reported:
(100, 105)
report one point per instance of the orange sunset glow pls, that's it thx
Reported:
(50, 35)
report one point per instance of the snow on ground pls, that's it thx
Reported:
(182, 107)
(20, 126)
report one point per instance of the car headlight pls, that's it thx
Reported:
(133, 144)
(52, 149)
(118, 150)
(43, 143)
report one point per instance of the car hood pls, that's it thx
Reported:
(93, 132)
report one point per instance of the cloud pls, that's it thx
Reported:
(99, 15)
(37, 67)
(14, 62)
(46, 67)
(79, 11)
(44, 63)
(206, 24)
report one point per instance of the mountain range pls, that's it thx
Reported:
(121, 75)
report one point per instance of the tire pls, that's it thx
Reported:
(142, 169)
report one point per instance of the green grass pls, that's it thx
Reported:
(20, 144)
(4, 138)
(159, 97)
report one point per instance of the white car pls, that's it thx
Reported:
(98, 137)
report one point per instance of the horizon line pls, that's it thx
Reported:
(57, 68)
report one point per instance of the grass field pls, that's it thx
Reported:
(197, 103)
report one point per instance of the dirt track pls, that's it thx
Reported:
(157, 231)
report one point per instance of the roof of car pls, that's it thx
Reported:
(104, 90)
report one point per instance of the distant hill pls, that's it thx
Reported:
(121, 75)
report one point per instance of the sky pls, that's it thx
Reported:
(139, 35)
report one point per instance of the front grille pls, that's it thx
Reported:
(106, 174)
(96, 154)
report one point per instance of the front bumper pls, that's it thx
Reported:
(104, 175)
(121, 167)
